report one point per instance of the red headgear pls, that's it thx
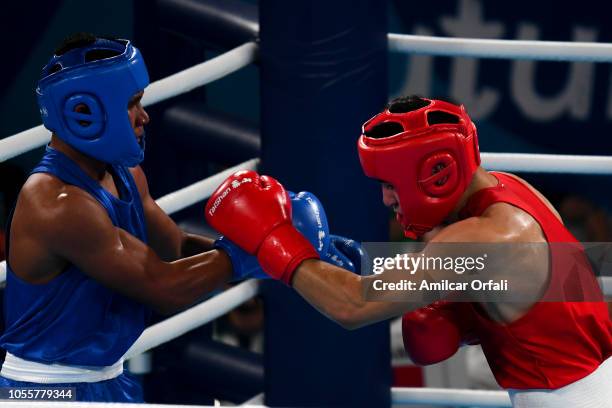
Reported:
(429, 165)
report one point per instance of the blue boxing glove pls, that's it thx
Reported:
(308, 217)
(345, 253)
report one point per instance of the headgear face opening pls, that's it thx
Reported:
(104, 87)
(429, 165)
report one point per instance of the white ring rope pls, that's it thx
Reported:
(258, 399)
(23, 142)
(190, 319)
(184, 197)
(173, 85)
(508, 49)
(449, 397)
(547, 163)
(201, 74)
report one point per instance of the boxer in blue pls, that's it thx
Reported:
(89, 250)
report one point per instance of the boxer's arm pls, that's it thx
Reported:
(83, 235)
(165, 237)
(338, 294)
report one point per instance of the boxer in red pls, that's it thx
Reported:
(425, 153)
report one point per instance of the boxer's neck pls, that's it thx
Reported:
(94, 168)
(481, 180)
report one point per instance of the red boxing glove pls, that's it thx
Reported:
(434, 333)
(254, 212)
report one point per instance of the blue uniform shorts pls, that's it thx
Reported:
(124, 388)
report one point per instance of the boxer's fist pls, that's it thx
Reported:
(434, 333)
(244, 265)
(345, 253)
(254, 212)
(309, 218)
(246, 207)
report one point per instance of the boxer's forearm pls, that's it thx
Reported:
(192, 277)
(337, 294)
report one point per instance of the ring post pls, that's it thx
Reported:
(323, 73)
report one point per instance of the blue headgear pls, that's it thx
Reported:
(105, 87)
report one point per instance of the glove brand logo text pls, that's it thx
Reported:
(217, 202)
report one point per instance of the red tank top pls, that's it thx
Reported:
(555, 343)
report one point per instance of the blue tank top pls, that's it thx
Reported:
(73, 319)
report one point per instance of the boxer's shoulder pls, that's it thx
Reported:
(512, 224)
(537, 193)
(45, 191)
(500, 222)
(48, 204)
(48, 211)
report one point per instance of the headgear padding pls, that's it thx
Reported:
(430, 165)
(103, 88)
